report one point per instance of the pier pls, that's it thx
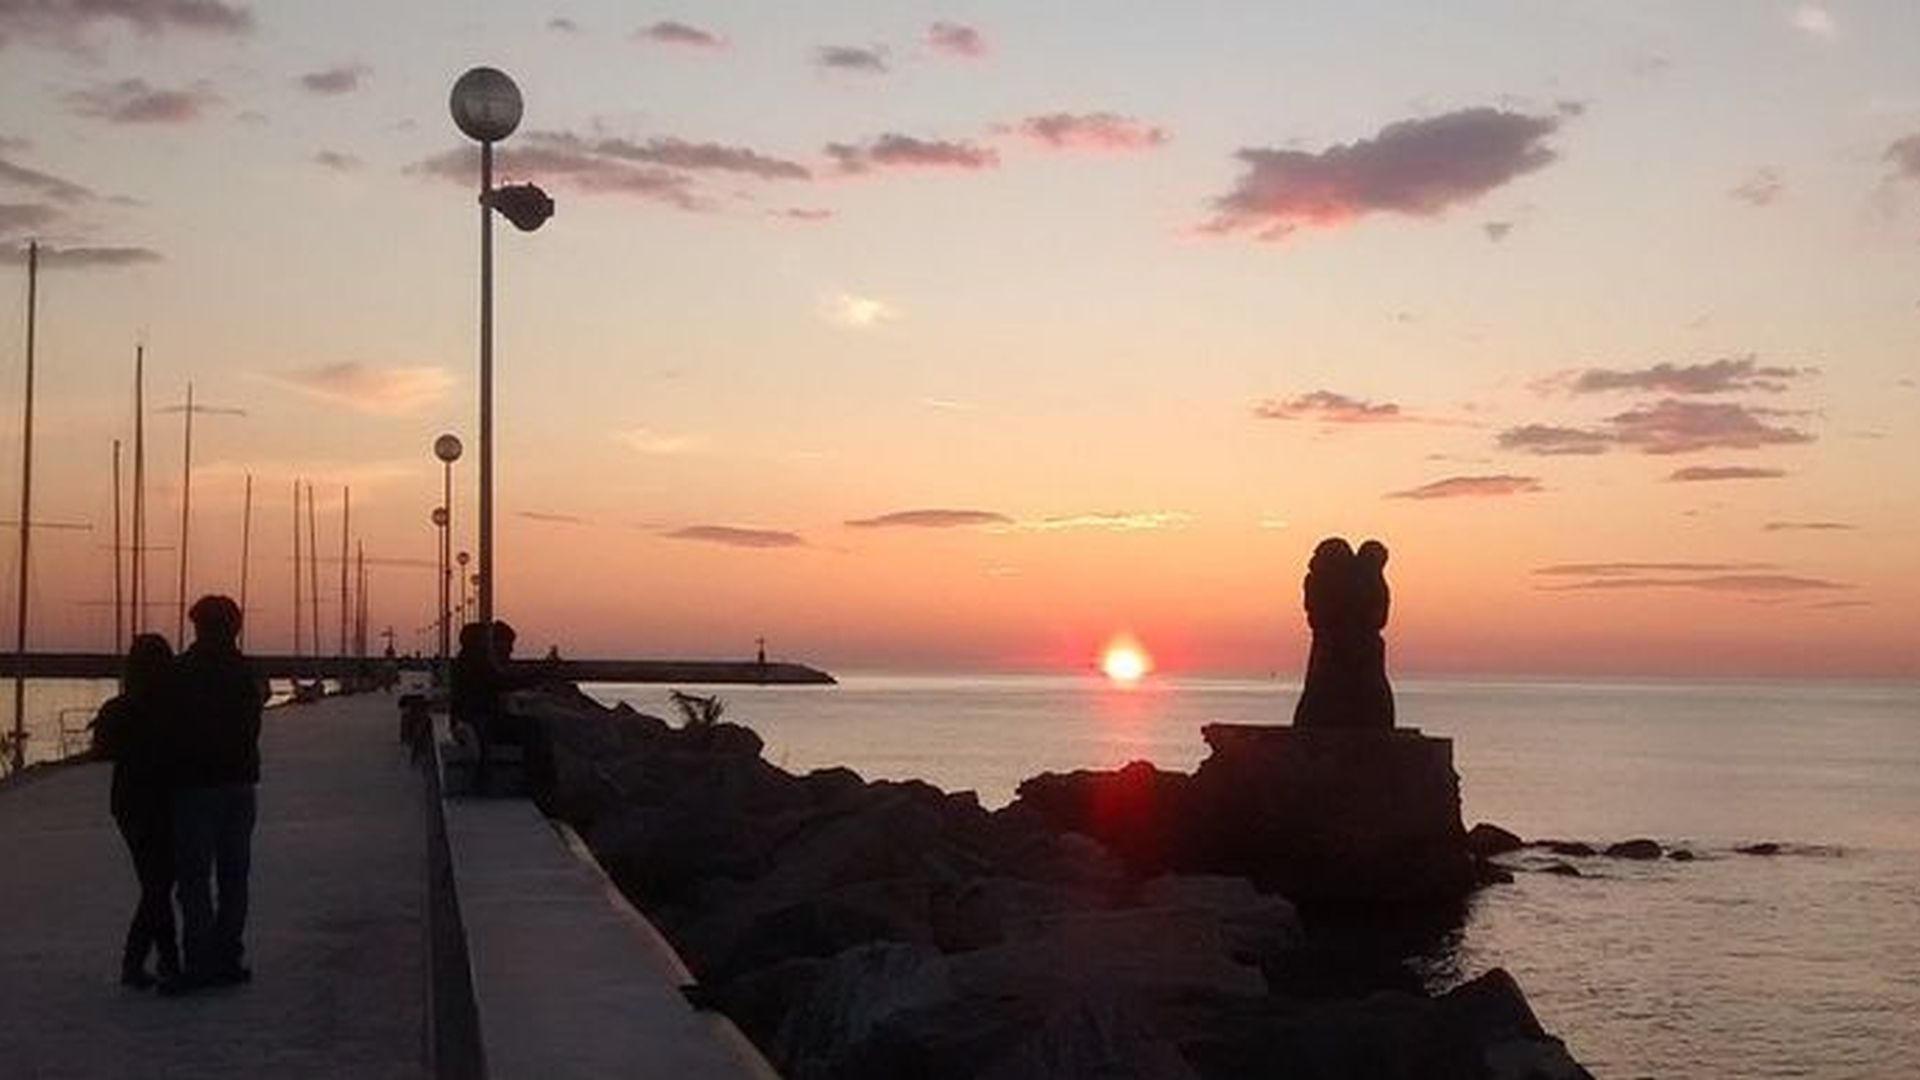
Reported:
(393, 933)
(83, 665)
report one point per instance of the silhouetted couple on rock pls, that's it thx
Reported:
(184, 737)
(1347, 602)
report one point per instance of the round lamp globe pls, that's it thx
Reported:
(440, 516)
(447, 448)
(485, 104)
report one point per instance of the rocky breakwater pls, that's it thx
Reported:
(878, 929)
(1325, 816)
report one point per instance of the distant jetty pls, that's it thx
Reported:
(683, 672)
(705, 672)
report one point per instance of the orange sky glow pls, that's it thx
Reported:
(933, 351)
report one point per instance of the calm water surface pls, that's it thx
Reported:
(1802, 965)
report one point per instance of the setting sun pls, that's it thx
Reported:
(1124, 661)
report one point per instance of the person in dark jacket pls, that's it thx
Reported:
(131, 731)
(215, 769)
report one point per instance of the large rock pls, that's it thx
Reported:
(1156, 954)
(1257, 927)
(1089, 1032)
(1634, 849)
(1485, 840)
(1333, 816)
(1324, 816)
(1482, 1030)
(814, 1018)
(1105, 925)
(1140, 812)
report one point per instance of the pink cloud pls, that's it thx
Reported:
(1734, 583)
(868, 60)
(68, 23)
(1090, 131)
(1808, 526)
(25, 217)
(1416, 168)
(906, 152)
(955, 39)
(582, 170)
(53, 257)
(332, 81)
(732, 536)
(672, 32)
(1329, 407)
(1727, 375)
(1763, 188)
(1679, 427)
(1554, 440)
(134, 101)
(1454, 487)
(1698, 473)
(1904, 155)
(676, 154)
(1641, 569)
(1670, 426)
(53, 187)
(931, 519)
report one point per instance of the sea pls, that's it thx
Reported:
(1801, 964)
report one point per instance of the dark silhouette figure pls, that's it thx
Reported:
(471, 697)
(215, 769)
(1328, 590)
(481, 674)
(1372, 601)
(1347, 603)
(504, 726)
(131, 731)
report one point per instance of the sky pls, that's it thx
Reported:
(968, 336)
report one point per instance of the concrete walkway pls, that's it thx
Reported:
(569, 981)
(335, 939)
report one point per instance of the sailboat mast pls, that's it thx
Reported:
(26, 516)
(119, 597)
(136, 614)
(186, 518)
(360, 599)
(346, 522)
(296, 569)
(246, 554)
(313, 568)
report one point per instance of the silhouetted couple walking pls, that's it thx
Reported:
(184, 737)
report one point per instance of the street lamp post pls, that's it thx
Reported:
(447, 448)
(486, 106)
(464, 580)
(441, 519)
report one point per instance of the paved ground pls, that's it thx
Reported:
(335, 940)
